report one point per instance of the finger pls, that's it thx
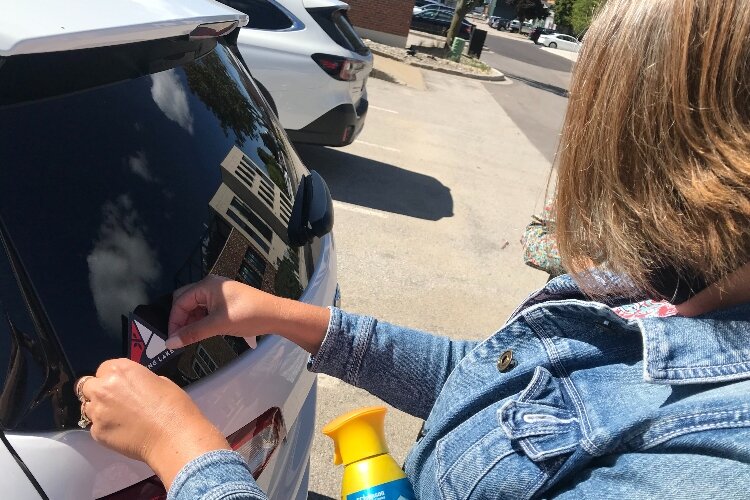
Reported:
(194, 298)
(181, 291)
(194, 332)
(79, 386)
(90, 389)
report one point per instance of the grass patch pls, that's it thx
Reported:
(475, 63)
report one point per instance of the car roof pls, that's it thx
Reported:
(52, 25)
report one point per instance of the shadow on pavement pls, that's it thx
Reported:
(311, 495)
(374, 184)
(539, 85)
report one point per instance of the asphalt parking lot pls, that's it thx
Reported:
(430, 203)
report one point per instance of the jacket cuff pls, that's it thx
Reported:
(344, 346)
(217, 474)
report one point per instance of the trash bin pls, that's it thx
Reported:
(477, 42)
(457, 48)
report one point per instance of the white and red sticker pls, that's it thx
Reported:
(147, 346)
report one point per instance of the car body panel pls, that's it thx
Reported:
(15, 478)
(55, 26)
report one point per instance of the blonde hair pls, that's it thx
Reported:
(654, 159)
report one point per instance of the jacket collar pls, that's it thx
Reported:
(711, 348)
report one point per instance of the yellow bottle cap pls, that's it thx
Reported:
(357, 435)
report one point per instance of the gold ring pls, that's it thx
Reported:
(79, 387)
(85, 421)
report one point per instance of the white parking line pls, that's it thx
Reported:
(378, 146)
(360, 210)
(383, 109)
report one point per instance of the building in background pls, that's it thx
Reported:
(382, 21)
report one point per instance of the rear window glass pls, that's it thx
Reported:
(264, 15)
(341, 19)
(113, 196)
(336, 24)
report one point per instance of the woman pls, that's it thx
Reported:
(641, 393)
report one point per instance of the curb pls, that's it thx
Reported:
(497, 77)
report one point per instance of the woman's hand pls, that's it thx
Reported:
(146, 417)
(219, 306)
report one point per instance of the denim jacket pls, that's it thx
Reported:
(566, 400)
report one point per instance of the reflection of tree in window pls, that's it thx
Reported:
(287, 282)
(274, 169)
(219, 91)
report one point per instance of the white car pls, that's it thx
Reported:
(311, 66)
(560, 41)
(136, 156)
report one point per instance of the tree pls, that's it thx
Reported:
(462, 8)
(583, 11)
(564, 13)
(528, 9)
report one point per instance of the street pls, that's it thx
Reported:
(430, 203)
(537, 100)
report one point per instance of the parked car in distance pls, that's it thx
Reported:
(419, 5)
(437, 21)
(539, 31)
(311, 66)
(499, 23)
(138, 157)
(560, 41)
(515, 27)
(436, 7)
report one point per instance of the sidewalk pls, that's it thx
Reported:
(394, 71)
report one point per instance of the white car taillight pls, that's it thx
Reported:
(256, 442)
(338, 67)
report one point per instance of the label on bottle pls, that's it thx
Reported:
(399, 489)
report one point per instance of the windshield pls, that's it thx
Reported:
(117, 186)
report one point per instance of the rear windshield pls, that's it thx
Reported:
(336, 24)
(118, 186)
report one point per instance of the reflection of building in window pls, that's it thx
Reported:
(254, 187)
(204, 359)
(199, 360)
(205, 254)
(252, 269)
(240, 213)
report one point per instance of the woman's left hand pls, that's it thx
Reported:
(146, 417)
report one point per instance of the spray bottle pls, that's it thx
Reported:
(370, 473)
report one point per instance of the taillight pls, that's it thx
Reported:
(339, 67)
(256, 442)
(150, 489)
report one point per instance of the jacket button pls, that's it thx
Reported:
(506, 362)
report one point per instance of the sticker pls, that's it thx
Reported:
(399, 489)
(147, 345)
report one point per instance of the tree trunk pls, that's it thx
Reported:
(462, 8)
